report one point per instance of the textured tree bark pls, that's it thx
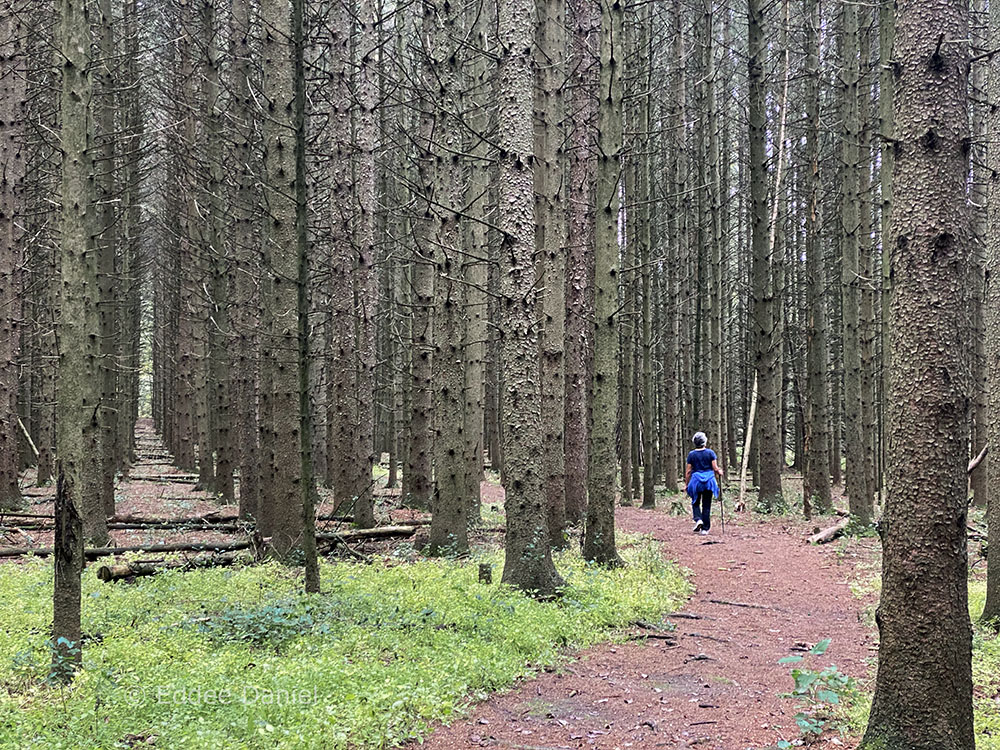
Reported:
(599, 537)
(991, 610)
(646, 197)
(866, 316)
(624, 333)
(481, 22)
(12, 210)
(343, 362)
(218, 329)
(449, 506)
(196, 265)
(981, 140)
(850, 241)
(715, 169)
(128, 339)
(106, 247)
(78, 331)
(816, 481)
(306, 487)
(887, 32)
(246, 307)
(527, 556)
(923, 690)
(580, 241)
(366, 282)
(676, 251)
(550, 223)
(280, 186)
(767, 348)
(418, 476)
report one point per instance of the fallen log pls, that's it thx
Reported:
(94, 553)
(353, 535)
(178, 478)
(138, 568)
(18, 514)
(828, 535)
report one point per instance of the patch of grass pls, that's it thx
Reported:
(985, 672)
(240, 658)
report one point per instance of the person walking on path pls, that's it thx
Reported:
(701, 478)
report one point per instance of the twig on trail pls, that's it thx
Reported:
(702, 723)
(699, 657)
(684, 616)
(647, 626)
(655, 636)
(708, 637)
(740, 604)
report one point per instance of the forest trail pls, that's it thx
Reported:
(719, 687)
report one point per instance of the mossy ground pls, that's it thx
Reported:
(239, 658)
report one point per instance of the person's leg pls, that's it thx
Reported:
(696, 511)
(706, 510)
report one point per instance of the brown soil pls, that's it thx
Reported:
(761, 594)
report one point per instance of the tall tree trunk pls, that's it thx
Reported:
(480, 22)
(78, 390)
(923, 690)
(550, 223)
(246, 250)
(991, 611)
(580, 241)
(599, 538)
(12, 212)
(306, 483)
(366, 282)
(624, 279)
(449, 506)
(886, 83)
(816, 484)
(850, 238)
(106, 247)
(767, 346)
(342, 361)
(217, 335)
(645, 231)
(527, 557)
(978, 196)
(284, 511)
(676, 251)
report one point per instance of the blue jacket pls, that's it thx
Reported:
(702, 481)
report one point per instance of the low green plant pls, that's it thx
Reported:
(821, 693)
(239, 658)
(985, 671)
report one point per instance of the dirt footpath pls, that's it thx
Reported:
(761, 592)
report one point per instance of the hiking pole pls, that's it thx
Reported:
(722, 507)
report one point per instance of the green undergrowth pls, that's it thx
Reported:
(985, 672)
(239, 658)
(985, 665)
